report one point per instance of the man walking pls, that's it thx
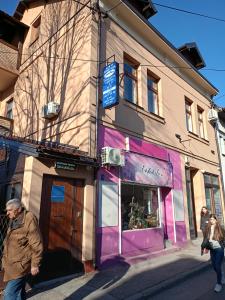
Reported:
(22, 250)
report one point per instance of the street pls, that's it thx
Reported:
(199, 287)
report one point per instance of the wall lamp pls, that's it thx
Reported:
(178, 136)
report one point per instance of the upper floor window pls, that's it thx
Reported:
(130, 80)
(35, 30)
(9, 109)
(153, 99)
(201, 123)
(188, 115)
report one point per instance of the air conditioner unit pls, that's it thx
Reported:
(112, 156)
(50, 110)
(212, 115)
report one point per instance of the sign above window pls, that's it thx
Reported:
(147, 170)
(110, 86)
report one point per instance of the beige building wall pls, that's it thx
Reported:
(32, 192)
(56, 67)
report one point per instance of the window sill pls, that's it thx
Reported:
(196, 137)
(141, 229)
(142, 111)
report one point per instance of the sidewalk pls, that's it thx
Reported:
(138, 281)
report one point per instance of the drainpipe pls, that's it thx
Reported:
(98, 83)
(95, 206)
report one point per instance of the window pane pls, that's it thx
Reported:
(207, 179)
(218, 209)
(128, 68)
(139, 207)
(9, 110)
(189, 122)
(201, 130)
(208, 198)
(215, 180)
(130, 89)
(152, 102)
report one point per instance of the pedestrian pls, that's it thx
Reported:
(204, 218)
(22, 250)
(214, 241)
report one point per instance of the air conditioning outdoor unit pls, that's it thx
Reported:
(212, 115)
(50, 110)
(112, 156)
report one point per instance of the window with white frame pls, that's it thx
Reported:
(153, 98)
(139, 207)
(188, 111)
(130, 80)
(201, 123)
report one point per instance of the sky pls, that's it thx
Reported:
(180, 28)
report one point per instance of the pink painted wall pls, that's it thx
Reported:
(134, 242)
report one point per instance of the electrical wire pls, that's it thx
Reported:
(96, 61)
(190, 12)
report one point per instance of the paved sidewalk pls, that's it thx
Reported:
(138, 281)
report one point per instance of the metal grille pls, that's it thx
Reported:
(4, 227)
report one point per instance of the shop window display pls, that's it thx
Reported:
(139, 207)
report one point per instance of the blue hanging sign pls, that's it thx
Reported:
(110, 87)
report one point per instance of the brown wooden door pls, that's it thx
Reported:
(61, 214)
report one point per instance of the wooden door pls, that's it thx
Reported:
(61, 216)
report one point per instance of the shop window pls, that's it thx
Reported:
(130, 80)
(201, 123)
(212, 193)
(188, 111)
(9, 109)
(35, 30)
(13, 191)
(153, 98)
(139, 207)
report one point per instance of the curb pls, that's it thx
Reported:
(169, 283)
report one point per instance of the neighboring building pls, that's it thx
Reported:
(161, 127)
(52, 122)
(217, 117)
(49, 157)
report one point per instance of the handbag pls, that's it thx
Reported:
(206, 244)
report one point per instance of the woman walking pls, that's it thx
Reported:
(204, 218)
(214, 236)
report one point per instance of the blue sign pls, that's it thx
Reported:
(110, 88)
(58, 193)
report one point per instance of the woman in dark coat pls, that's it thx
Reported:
(204, 218)
(215, 235)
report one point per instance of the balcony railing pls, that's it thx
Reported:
(6, 126)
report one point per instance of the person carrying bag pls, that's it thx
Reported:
(214, 241)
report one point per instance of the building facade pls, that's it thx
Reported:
(153, 199)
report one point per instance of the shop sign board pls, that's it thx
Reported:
(147, 170)
(110, 87)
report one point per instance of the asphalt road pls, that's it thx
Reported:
(199, 287)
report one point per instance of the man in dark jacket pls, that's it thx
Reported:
(22, 250)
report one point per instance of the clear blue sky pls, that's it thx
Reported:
(180, 28)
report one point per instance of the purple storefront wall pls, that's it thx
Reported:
(136, 242)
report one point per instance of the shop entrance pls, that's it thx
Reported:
(61, 225)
